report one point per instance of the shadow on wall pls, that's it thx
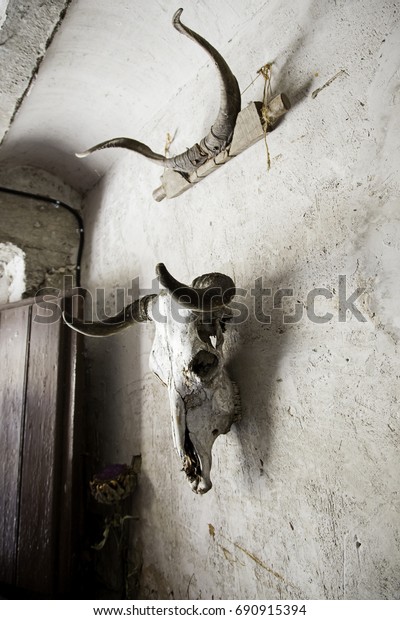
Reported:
(113, 375)
(45, 154)
(254, 365)
(283, 77)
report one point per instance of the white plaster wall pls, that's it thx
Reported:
(305, 502)
(26, 30)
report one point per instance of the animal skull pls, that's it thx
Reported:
(187, 357)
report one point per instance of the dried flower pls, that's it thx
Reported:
(115, 482)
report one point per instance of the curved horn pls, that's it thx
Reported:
(137, 312)
(218, 292)
(221, 131)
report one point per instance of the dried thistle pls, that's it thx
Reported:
(111, 486)
(115, 482)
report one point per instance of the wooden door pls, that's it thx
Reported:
(39, 456)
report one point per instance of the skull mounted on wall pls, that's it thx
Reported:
(187, 356)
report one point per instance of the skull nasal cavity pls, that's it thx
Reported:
(203, 364)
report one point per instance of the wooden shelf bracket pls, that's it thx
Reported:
(251, 125)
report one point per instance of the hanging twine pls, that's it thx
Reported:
(265, 71)
(168, 141)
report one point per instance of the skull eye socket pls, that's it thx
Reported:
(203, 364)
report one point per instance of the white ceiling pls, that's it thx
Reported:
(108, 70)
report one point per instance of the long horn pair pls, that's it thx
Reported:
(220, 134)
(211, 293)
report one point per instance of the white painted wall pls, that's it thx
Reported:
(305, 501)
(26, 29)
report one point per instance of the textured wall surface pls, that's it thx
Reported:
(27, 28)
(305, 501)
(46, 235)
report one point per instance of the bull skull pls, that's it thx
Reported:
(187, 357)
(220, 134)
